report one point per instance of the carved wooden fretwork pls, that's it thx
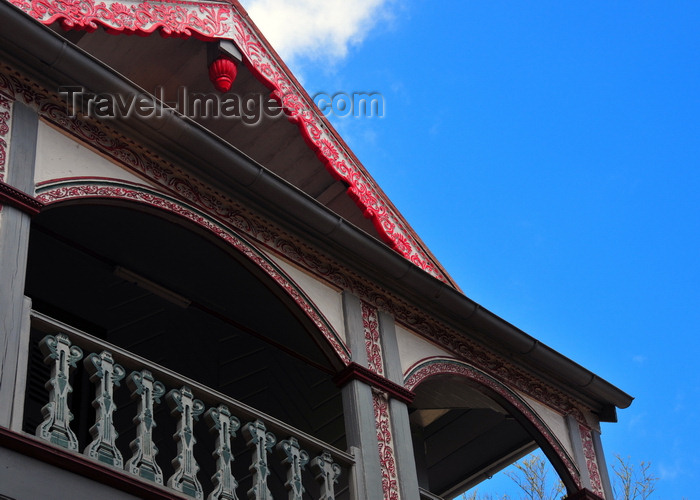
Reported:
(143, 461)
(591, 460)
(184, 479)
(373, 344)
(262, 442)
(225, 426)
(105, 374)
(5, 124)
(385, 443)
(327, 474)
(62, 356)
(295, 459)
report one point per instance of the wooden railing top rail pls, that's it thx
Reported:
(209, 396)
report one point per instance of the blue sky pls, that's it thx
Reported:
(548, 154)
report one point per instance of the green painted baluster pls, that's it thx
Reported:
(225, 426)
(105, 374)
(185, 479)
(327, 474)
(296, 459)
(57, 416)
(262, 443)
(143, 460)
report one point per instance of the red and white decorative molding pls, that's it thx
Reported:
(81, 189)
(216, 20)
(355, 371)
(591, 460)
(205, 20)
(429, 367)
(370, 325)
(20, 200)
(5, 124)
(387, 462)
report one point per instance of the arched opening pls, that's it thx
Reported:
(165, 289)
(467, 426)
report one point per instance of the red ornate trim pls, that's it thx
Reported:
(429, 367)
(205, 20)
(591, 460)
(370, 325)
(338, 161)
(387, 462)
(5, 117)
(80, 465)
(53, 193)
(13, 197)
(169, 178)
(208, 21)
(358, 372)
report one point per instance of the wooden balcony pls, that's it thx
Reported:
(144, 421)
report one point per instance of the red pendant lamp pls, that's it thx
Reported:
(222, 73)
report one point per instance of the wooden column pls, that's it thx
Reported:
(360, 427)
(403, 442)
(14, 241)
(602, 465)
(589, 459)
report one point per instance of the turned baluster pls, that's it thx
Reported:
(327, 473)
(62, 356)
(296, 459)
(105, 374)
(262, 443)
(184, 479)
(225, 426)
(143, 460)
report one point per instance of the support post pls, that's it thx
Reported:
(14, 242)
(360, 426)
(602, 465)
(403, 444)
(587, 458)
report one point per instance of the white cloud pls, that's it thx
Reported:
(315, 29)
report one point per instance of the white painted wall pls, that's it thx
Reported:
(413, 348)
(554, 420)
(60, 156)
(327, 299)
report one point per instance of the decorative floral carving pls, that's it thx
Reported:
(370, 324)
(591, 460)
(5, 117)
(206, 20)
(438, 365)
(390, 483)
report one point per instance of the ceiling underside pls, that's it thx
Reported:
(464, 436)
(173, 64)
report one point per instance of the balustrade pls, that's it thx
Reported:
(185, 401)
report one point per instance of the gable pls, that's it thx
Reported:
(304, 149)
